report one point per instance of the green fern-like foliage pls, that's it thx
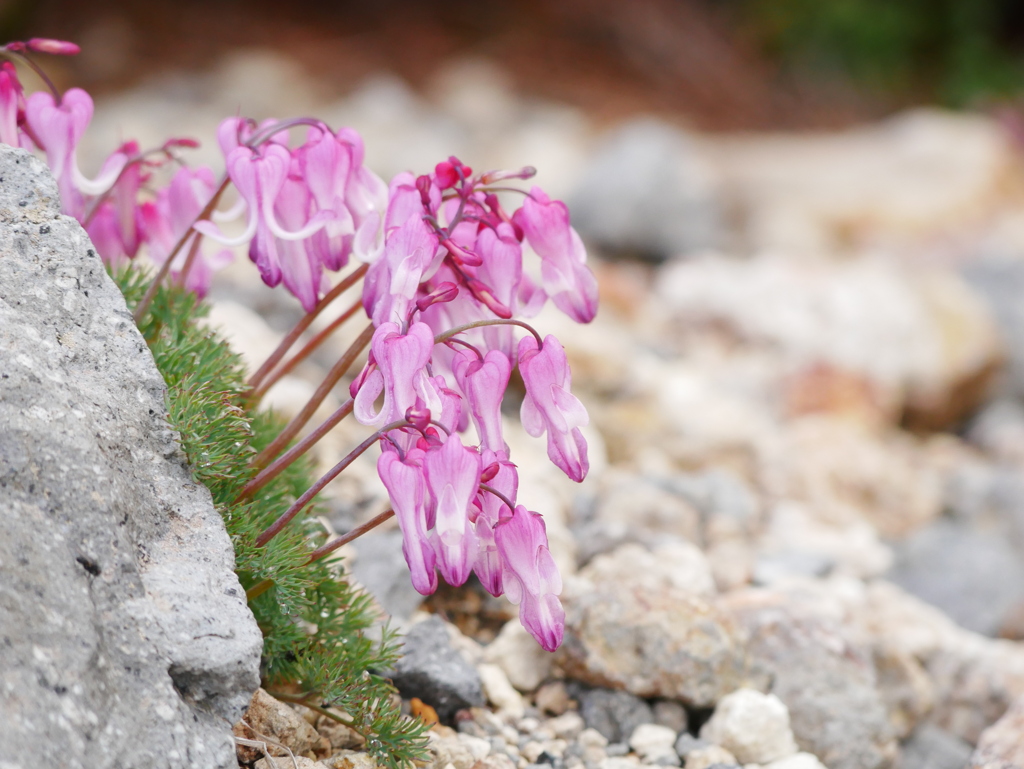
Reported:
(316, 628)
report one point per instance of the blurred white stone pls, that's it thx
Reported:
(654, 743)
(753, 726)
(519, 655)
(499, 691)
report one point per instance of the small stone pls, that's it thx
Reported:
(433, 671)
(567, 726)
(517, 653)
(495, 761)
(687, 743)
(705, 758)
(555, 748)
(301, 762)
(671, 714)
(499, 691)
(617, 749)
(531, 750)
(591, 738)
(620, 762)
(651, 741)
(614, 714)
(930, 747)
(552, 698)
(797, 761)
(340, 736)
(478, 746)
(446, 748)
(754, 727)
(349, 759)
(268, 718)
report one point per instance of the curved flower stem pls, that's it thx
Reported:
(304, 353)
(286, 344)
(274, 469)
(498, 494)
(441, 338)
(344, 539)
(324, 550)
(147, 298)
(192, 252)
(275, 528)
(264, 134)
(57, 95)
(337, 372)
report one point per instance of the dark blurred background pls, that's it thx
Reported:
(722, 64)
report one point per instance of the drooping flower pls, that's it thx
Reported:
(483, 382)
(550, 407)
(60, 127)
(566, 277)
(530, 576)
(407, 488)
(453, 478)
(392, 282)
(489, 509)
(12, 105)
(114, 227)
(166, 219)
(400, 372)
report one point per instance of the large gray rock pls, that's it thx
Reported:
(648, 191)
(826, 681)
(432, 670)
(125, 639)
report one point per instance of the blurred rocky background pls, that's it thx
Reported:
(802, 540)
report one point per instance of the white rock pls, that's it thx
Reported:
(499, 691)
(799, 761)
(702, 758)
(516, 652)
(651, 741)
(567, 726)
(620, 762)
(591, 738)
(679, 564)
(478, 746)
(753, 726)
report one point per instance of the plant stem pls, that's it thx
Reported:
(261, 587)
(303, 700)
(147, 298)
(336, 373)
(302, 325)
(278, 466)
(274, 529)
(258, 393)
(344, 539)
(441, 338)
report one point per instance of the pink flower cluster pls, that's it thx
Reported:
(452, 260)
(111, 206)
(445, 285)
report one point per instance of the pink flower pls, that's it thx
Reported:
(59, 127)
(566, 277)
(453, 477)
(12, 105)
(400, 373)
(262, 180)
(406, 485)
(530, 577)
(165, 220)
(489, 510)
(483, 382)
(392, 282)
(114, 227)
(550, 407)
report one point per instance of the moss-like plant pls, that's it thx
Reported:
(317, 647)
